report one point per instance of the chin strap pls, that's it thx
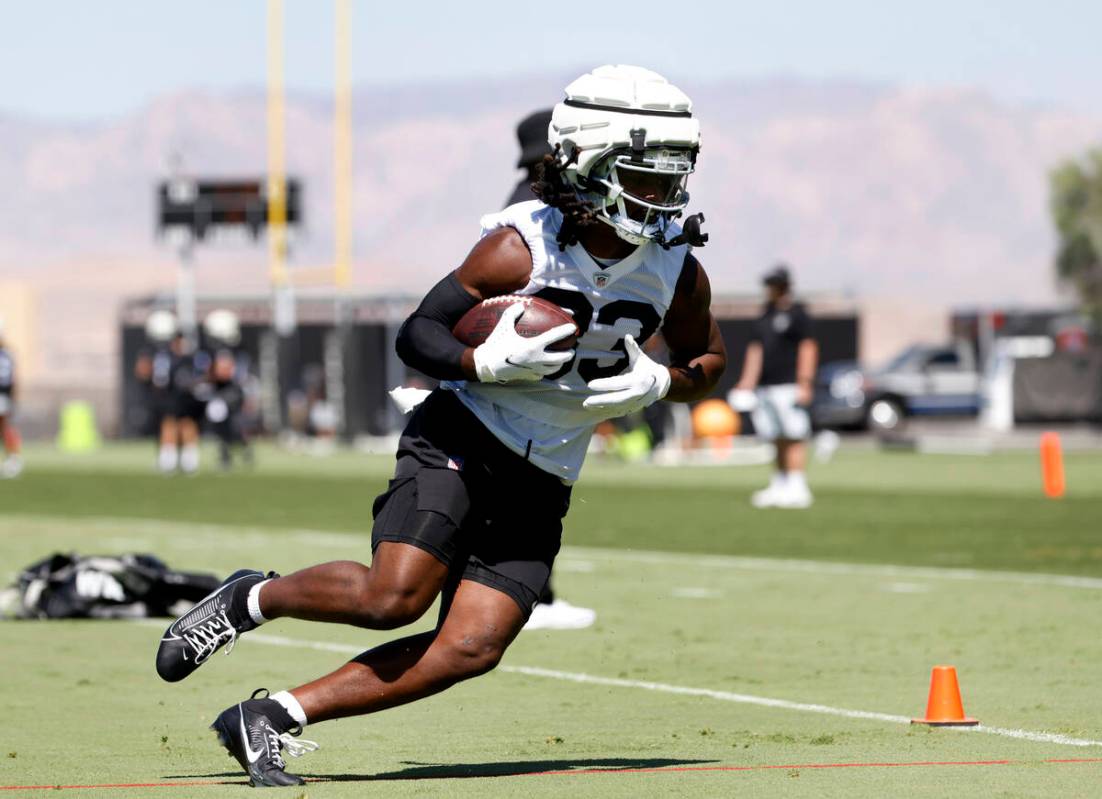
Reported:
(690, 234)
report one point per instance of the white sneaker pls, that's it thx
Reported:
(12, 467)
(560, 615)
(794, 499)
(189, 459)
(167, 459)
(766, 498)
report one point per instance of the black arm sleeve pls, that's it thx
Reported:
(425, 340)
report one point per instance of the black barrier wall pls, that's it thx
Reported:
(349, 367)
(302, 369)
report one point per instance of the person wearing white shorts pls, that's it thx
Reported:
(779, 369)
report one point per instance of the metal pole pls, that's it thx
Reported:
(185, 294)
(337, 355)
(283, 303)
(277, 167)
(342, 146)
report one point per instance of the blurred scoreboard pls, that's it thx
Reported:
(199, 205)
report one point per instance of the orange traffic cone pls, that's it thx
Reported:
(944, 708)
(1052, 466)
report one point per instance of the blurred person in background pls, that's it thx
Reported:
(552, 613)
(532, 137)
(13, 444)
(780, 366)
(191, 389)
(153, 369)
(322, 415)
(229, 376)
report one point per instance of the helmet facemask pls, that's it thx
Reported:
(640, 191)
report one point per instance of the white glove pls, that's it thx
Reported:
(408, 398)
(742, 400)
(506, 356)
(644, 383)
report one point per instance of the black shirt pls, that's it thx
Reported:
(160, 369)
(780, 333)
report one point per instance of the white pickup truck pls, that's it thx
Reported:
(922, 380)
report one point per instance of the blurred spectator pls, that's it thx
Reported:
(229, 380)
(191, 390)
(780, 365)
(532, 136)
(154, 369)
(225, 407)
(13, 461)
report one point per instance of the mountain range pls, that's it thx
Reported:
(913, 196)
(923, 193)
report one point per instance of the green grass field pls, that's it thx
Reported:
(736, 652)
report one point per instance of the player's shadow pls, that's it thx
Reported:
(513, 768)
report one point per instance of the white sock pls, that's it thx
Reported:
(253, 602)
(166, 459)
(291, 705)
(189, 458)
(797, 482)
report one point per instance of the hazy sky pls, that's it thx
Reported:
(85, 60)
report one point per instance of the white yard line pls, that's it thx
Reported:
(832, 568)
(338, 539)
(784, 704)
(666, 688)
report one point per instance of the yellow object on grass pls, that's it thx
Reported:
(77, 430)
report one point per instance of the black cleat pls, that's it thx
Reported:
(250, 735)
(213, 623)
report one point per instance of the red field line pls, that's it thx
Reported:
(791, 766)
(569, 772)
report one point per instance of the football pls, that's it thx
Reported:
(539, 316)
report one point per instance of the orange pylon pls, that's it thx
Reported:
(1052, 466)
(944, 708)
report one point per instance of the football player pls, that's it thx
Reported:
(153, 369)
(229, 371)
(780, 365)
(12, 465)
(486, 464)
(191, 389)
(552, 612)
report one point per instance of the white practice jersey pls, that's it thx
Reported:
(545, 421)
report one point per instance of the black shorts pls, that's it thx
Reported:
(161, 403)
(459, 494)
(186, 405)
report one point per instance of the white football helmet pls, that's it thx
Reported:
(222, 326)
(623, 132)
(161, 326)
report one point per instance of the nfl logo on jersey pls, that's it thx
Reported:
(600, 281)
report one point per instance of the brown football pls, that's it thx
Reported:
(539, 316)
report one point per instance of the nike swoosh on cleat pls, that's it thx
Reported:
(251, 755)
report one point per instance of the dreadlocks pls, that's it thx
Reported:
(552, 188)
